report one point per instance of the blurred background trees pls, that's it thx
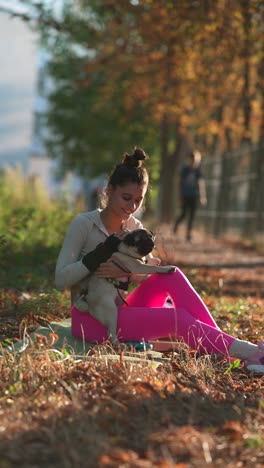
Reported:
(167, 76)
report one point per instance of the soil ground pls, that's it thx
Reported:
(190, 412)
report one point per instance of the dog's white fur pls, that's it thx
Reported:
(100, 300)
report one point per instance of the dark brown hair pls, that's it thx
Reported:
(131, 169)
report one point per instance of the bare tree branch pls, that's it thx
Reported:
(41, 17)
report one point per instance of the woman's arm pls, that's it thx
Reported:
(72, 265)
(70, 268)
(110, 269)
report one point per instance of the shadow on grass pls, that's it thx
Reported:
(172, 427)
(33, 268)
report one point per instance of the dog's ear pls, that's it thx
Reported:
(129, 239)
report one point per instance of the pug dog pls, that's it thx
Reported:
(100, 294)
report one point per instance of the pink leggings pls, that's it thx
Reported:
(148, 316)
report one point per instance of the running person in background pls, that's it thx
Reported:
(192, 191)
(147, 314)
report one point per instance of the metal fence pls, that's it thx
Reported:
(235, 192)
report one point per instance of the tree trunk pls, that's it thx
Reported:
(222, 205)
(218, 115)
(259, 188)
(167, 193)
(246, 99)
(260, 158)
(164, 142)
(169, 165)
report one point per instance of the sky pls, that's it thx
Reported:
(20, 59)
(18, 65)
(17, 6)
(12, 4)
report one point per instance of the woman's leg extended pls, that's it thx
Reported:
(155, 290)
(152, 323)
(139, 323)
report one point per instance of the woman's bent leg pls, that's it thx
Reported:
(154, 291)
(148, 294)
(146, 323)
(134, 324)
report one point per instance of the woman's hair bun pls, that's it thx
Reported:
(135, 159)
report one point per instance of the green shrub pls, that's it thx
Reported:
(32, 226)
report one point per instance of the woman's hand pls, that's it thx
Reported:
(155, 261)
(110, 270)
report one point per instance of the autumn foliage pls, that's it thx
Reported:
(167, 76)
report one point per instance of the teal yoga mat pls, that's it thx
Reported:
(78, 348)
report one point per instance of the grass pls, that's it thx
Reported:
(60, 410)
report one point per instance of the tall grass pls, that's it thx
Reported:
(28, 215)
(32, 227)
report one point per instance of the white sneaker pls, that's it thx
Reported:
(256, 362)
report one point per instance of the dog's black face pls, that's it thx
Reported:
(142, 239)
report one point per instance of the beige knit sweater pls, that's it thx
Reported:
(85, 232)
